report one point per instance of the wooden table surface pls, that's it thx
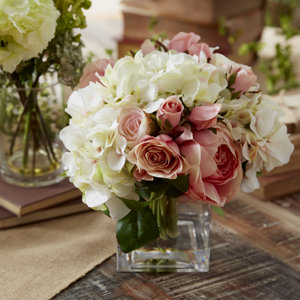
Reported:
(255, 254)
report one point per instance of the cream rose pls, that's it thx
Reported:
(157, 157)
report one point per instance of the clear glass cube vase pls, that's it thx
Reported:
(188, 252)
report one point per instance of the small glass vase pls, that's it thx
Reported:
(188, 252)
(30, 151)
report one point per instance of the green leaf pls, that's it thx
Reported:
(213, 130)
(181, 183)
(158, 185)
(143, 191)
(109, 52)
(232, 79)
(63, 174)
(135, 205)
(218, 210)
(145, 194)
(236, 95)
(153, 22)
(137, 229)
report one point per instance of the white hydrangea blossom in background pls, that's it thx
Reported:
(26, 27)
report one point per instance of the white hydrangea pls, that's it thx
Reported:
(26, 27)
(96, 160)
(265, 143)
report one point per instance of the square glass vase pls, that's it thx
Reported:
(188, 252)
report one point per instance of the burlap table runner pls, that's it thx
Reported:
(39, 260)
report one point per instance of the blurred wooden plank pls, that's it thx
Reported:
(266, 225)
(278, 185)
(292, 165)
(199, 11)
(290, 203)
(248, 27)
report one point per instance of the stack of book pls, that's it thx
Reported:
(20, 206)
(242, 21)
(282, 180)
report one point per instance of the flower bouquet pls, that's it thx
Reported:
(164, 134)
(38, 50)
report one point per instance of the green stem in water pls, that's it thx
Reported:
(161, 217)
(26, 138)
(18, 126)
(44, 140)
(44, 128)
(172, 218)
(166, 216)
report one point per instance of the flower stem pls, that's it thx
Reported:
(34, 124)
(40, 116)
(43, 136)
(172, 218)
(25, 138)
(166, 216)
(18, 126)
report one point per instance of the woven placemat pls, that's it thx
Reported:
(39, 260)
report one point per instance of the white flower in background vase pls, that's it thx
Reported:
(26, 27)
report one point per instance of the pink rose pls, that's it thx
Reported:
(182, 41)
(170, 112)
(134, 125)
(215, 166)
(90, 70)
(195, 49)
(157, 157)
(244, 80)
(204, 116)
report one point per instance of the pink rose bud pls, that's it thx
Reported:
(90, 70)
(147, 47)
(134, 125)
(182, 41)
(195, 49)
(245, 78)
(204, 116)
(170, 112)
(157, 157)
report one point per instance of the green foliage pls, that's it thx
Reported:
(151, 27)
(137, 229)
(153, 215)
(252, 47)
(152, 191)
(109, 52)
(153, 22)
(218, 210)
(224, 30)
(279, 70)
